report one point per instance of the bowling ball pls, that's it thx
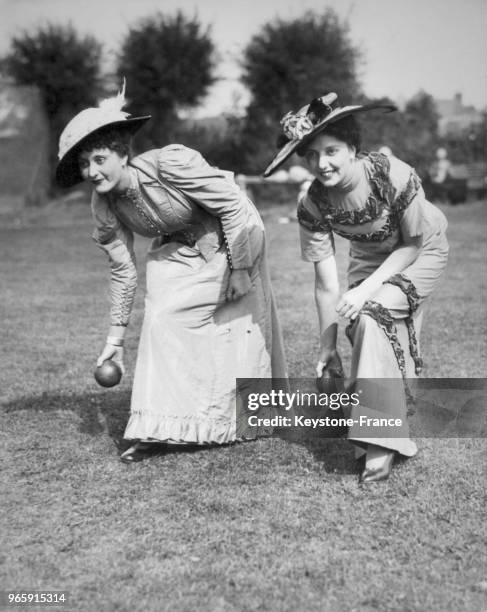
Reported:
(331, 379)
(108, 374)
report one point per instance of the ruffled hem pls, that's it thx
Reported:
(188, 430)
(403, 446)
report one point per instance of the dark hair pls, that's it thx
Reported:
(347, 130)
(115, 140)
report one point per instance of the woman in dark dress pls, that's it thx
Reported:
(398, 250)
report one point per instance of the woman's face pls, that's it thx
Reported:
(105, 169)
(330, 160)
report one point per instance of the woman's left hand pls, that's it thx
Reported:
(351, 302)
(238, 285)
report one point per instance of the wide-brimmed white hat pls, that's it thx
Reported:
(301, 127)
(107, 115)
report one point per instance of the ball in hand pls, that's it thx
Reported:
(326, 383)
(108, 374)
(331, 379)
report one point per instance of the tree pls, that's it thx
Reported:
(412, 133)
(64, 66)
(218, 139)
(469, 144)
(421, 132)
(287, 64)
(380, 128)
(168, 64)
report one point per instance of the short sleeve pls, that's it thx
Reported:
(409, 199)
(117, 242)
(316, 235)
(214, 190)
(411, 222)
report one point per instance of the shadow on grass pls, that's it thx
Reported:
(97, 412)
(108, 412)
(328, 446)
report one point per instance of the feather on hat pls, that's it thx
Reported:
(108, 114)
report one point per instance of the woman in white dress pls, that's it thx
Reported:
(209, 310)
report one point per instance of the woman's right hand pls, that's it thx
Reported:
(115, 353)
(326, 356)
(239, 285)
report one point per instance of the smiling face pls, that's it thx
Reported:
(105, 169)
(330, 160)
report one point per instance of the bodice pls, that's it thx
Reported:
(371, 212)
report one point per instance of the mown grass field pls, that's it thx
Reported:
(269, 525)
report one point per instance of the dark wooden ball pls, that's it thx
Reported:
(108, 374)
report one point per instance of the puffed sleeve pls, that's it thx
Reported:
(215, 191)
(117, 241)
(315, 233)
(409, 199)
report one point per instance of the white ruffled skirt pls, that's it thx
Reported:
(194, 344)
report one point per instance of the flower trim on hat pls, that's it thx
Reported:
(298, 125)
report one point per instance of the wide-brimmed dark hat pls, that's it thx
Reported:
(108, 115)
(301, 127)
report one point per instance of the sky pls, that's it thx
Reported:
(439, 46)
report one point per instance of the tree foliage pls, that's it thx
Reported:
(218, 139)
(290, 62)
(168, 63)
(469, 144)
(421, 133)
(287, 64)
(63, 65)
(411, 133)
(379, 128)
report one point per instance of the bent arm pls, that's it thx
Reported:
(408, 205)
(123, 284)
(215, 191)
(123, 281)
(395, 263)
(317, 246)
(353, 300)
(117, 241)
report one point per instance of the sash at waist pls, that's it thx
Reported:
(208, 239)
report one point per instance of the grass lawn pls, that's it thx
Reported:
(267, 525)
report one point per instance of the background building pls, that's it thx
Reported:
(455, 117)
(24, 140)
